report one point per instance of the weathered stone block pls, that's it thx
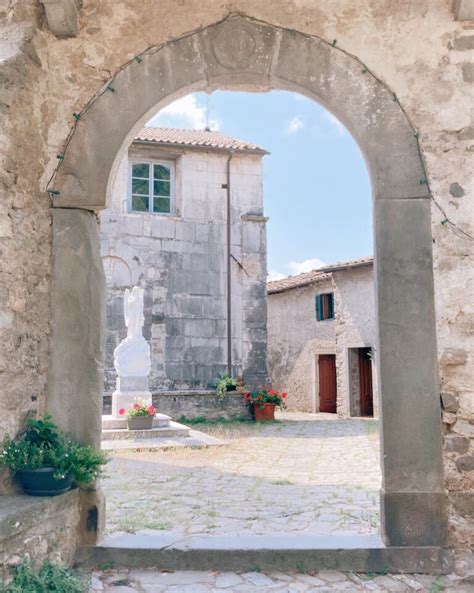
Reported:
(235, 46)
(75, 375)
(450, 402)
(463, 502)
(456, 444)
(465, 464)
(407, 346)
(453, 356)
(414, 518)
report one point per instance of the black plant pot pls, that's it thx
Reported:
(41, 482)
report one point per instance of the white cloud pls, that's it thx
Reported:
(184, 113)
(295, 125)
(296, 267)
(332, 119)
(305, 266)
(274, 275)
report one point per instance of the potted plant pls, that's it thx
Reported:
(263, 401)
(140, 415)
(227, 383)
(46, 463)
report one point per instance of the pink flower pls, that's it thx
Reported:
(136, 405)
(151, 410)
(121, 411)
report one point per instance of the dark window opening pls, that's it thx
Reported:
(325, 306)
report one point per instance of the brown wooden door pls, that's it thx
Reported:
(365, 382)
(327, 383)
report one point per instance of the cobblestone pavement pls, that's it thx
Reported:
(304, 474)
(140, 581)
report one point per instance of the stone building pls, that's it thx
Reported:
(321, 339)
(166, 230)
(80, 79)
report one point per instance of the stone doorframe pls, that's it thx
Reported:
(242, 54)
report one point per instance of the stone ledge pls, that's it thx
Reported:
(282, 553)
(37, 527)
(20, 512)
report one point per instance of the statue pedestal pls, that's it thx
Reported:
(126, 400)
(129, 389)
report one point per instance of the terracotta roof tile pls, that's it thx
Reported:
(317, 275)
(197, 138)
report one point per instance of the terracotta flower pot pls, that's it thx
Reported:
(264, 412)
(41, 482)
(140, 422)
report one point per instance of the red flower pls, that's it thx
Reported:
(136, 405)
(151, 410)
(284, 395)
(121, 411)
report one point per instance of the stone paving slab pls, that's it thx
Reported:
(195, 439)
(327, 581)
(302, 475)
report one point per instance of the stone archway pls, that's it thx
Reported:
(240, 53)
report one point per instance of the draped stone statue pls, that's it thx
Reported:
(133, 311)
(132, 359)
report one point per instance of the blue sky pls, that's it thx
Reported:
(316, 185)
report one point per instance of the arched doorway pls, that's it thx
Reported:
(240, 53)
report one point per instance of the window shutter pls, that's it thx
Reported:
(331, 305)
(319, 307)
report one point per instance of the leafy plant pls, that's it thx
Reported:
(43, 444)
(224, 380)
(42, 432)
(265, 395)
(138, 408)
(48, 579)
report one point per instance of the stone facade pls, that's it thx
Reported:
(296, 338)
(181, 262)
(417, 51)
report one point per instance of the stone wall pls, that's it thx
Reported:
(354, 311)
(194, 404)
(296, 338)
(416, 48)
(181, 263)
(38, 529)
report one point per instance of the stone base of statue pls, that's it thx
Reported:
(132, 362)
(125, 399)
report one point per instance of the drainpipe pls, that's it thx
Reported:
(229, 268)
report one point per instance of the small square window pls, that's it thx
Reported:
(325, 306)
(151, 187)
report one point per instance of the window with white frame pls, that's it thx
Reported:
(151, 187)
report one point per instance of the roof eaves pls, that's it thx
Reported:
(207, 147)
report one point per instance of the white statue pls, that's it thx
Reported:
(132, 355)
(133, 311)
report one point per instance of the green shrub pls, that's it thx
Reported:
(44, 445)
(50, 578)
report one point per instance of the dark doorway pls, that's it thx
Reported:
(365, 382)
(327, 383)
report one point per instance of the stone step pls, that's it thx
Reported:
(196, 439)
(111, 423)
(303, 553)
(174, 429)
